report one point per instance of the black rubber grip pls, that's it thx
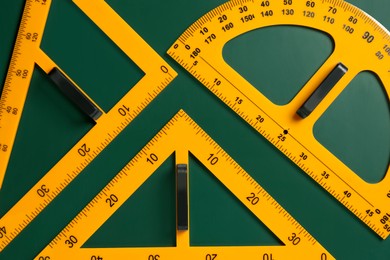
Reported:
(323, 89)
(182, 197)
(73, 93)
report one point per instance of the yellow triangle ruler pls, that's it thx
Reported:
(361, 44)
(182, 136)
(158, 74)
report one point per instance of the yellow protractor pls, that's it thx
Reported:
(361, 44)
(182, 136)
(158, 74)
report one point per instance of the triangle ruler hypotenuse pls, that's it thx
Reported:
(181, 136)
(27, 54)
(361, 44)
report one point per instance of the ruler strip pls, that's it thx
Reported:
(19, 76)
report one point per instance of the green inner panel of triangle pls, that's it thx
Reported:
(148, 217)
(91, 59)
(218, 217)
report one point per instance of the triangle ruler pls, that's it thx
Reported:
(361, 44)
(182, 136)
(27, 54)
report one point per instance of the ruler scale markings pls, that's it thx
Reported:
(19, 76)
(210, 65)
(240, 92)
(330, 169)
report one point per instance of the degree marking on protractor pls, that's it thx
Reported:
(158, 74)
(199, 50)
(182, 136)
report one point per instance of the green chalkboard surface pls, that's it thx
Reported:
(355, 128)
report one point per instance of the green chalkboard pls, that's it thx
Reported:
(355, 128)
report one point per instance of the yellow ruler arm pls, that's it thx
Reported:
(19, 76)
